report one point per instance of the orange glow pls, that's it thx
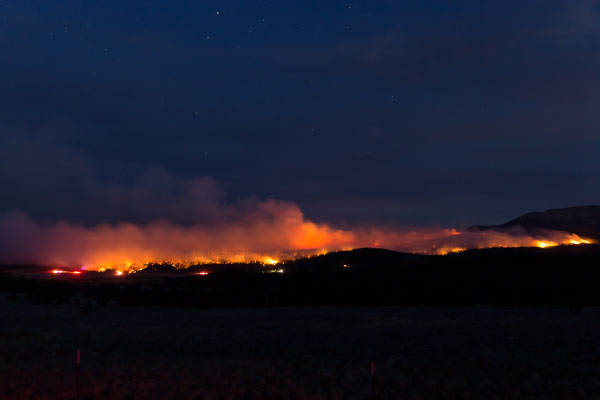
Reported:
(202, 273)
(273, 232)
(130, 248)
(444, 251)
(488, 239)
(270, 261)
(427, 241)
(579, 241)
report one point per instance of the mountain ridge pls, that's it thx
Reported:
(580, 220)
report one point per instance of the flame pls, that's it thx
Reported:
(441, 242)
(443, 251)
(579, 241)
(270, 261)
(275, 232)
(507, 239)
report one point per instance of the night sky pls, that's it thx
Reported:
(363, 112)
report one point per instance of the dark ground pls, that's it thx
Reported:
(500, 324)
(143, 352)
(565, 275)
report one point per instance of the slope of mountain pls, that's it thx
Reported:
(583, 221)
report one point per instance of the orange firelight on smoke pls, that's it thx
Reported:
(448, 241)
(273, 233)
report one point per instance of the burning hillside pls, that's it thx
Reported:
(273, 231)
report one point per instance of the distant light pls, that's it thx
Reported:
(62, 271)
(202, 273)
(119, 273)
(273, 271)
(346, 266)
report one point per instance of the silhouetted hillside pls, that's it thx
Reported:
(518, 276)
(583, 221)
(358, 258)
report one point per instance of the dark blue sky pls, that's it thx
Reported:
(383, 112)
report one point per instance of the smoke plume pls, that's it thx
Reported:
(268, 232)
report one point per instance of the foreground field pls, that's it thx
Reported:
(298, 353)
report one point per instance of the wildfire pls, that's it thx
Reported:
(579, 241)
(270, 261)
(480, 240)
(443, 251)
(277, 232)
(446, 243)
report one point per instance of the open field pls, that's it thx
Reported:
(298, 352)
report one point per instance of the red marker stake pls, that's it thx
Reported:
(77, 379)
(373, 380)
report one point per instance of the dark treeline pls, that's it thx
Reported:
(560, 276)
